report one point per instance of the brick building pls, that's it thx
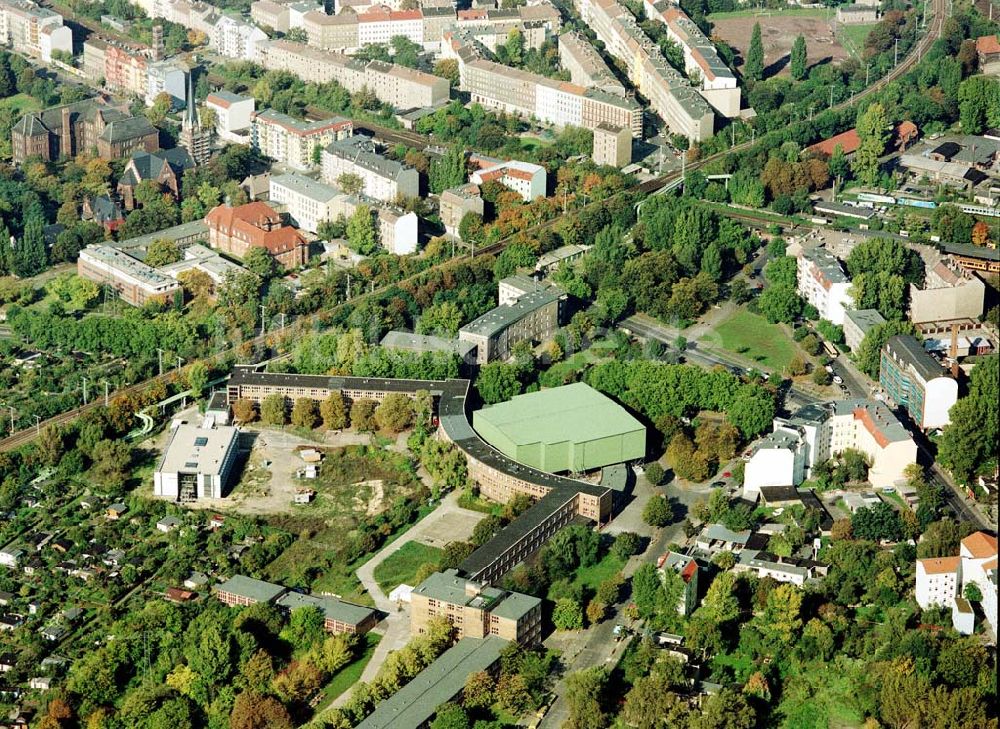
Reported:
(237, 230)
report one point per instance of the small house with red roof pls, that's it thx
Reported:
(988, 50)
(235, 230)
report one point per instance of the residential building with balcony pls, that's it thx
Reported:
(233, 115)
(292, 141)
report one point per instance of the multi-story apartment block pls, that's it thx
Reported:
(310, 203)
(914, 380)
(612, 145)
(687, 569)
(585, 65)
(978, 552)
(526, 179)
(820, 431)
(948, 294)
(476, 610)
(822, 282)
(531, 96)
(381, 25)
(233, 115)
(192, 14)
(293, 141)
(237, 39)
(307, 201)
(94, 49)
(701, 60)
(857, 324)
(456, 202)
(938, 580)
(169, 77)
(271, 15)
(533, 317)
(384, 179)
(668, 92)
(134, 281)
(125, 70)
(35, 31)
(255, 225)
(84, 126)
(403, 88)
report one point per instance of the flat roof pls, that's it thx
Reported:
(333, 608)
(495, 321)
(414, 704)
(909, 351)
(305, 186)
(250, 588)
(575, 412)
(865, 319)
(193, 449)
(410, 342)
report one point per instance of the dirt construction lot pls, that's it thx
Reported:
(778, 34)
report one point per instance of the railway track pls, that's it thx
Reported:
(413, 139)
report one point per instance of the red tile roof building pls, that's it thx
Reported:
(236, 230)
(904, 133)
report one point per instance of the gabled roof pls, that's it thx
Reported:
(980, 545)
(940, 565)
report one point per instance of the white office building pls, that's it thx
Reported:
(166, 77)
(197, 463)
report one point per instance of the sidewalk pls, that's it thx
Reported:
(395, 628)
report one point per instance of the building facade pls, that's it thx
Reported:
(133, 281)
(383, 178)
(857, 323)
(475, 609)
(237, 39)
(294, 142)
(255, 225)
(914, 380)
(612, 145)
(82, 127)
(197, 463)
(233, 115)
(822, 282)
(533, 317)
(456, 202)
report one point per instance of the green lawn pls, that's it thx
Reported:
(754, 337)
(401, 567)
(349, 675)
(782, 13)
(20, 104)
(590, 577)
(852, 37)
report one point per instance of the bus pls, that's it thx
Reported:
(830, 349)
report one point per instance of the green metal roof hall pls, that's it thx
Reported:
(569, 428)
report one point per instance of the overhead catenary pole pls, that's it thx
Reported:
(159, 356)
(38, 425)
(106, 385)
(84, 390)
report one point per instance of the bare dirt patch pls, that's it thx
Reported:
(778, 34)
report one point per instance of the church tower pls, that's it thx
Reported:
(193, 138)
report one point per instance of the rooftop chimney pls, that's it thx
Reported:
(66, 142)
(157, 50)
